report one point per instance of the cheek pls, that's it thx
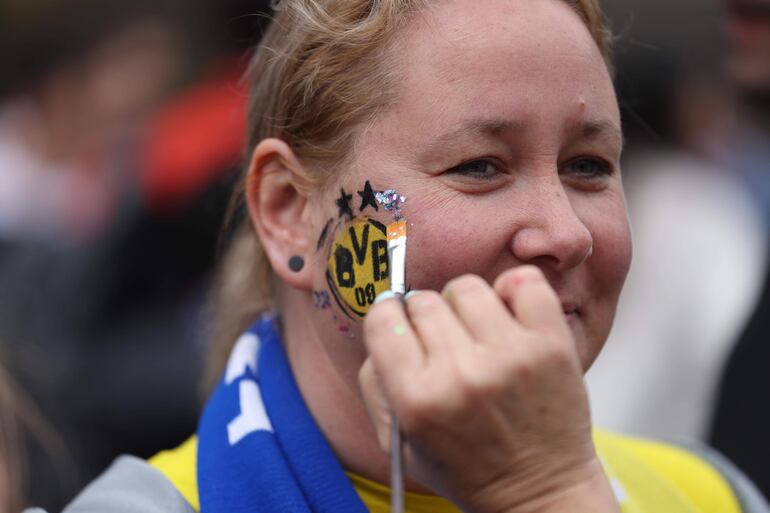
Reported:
(607, 270)
(445, 246)
(603, 276)
(605, 217)
(612, 253)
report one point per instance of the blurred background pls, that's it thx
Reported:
(121, 132)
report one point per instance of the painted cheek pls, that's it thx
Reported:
(357, 267)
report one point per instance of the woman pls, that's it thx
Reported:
(497, 123)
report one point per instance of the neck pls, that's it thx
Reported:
(326, 373)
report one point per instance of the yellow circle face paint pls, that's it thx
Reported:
(357, 269)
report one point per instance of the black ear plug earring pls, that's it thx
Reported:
(296, 263)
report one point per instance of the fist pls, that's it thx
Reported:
(488, 387)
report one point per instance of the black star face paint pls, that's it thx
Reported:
(368, 198)
(358, 266)
(343, 204)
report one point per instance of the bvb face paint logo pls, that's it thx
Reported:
(357, 269)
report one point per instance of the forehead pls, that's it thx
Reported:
(520, 60)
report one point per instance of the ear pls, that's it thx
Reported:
(279, 210)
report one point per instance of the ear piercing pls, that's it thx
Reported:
(296, 263)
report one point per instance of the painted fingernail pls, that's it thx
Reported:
(384, 295)
(411, 293)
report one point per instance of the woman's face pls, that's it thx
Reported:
(505, 140)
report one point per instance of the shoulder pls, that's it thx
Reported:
(179, 466)
(129, 485)
(665, 476)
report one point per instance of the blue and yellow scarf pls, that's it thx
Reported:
(250, 461)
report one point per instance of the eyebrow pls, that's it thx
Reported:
(479, 127)
(593, 129)
(495, 128)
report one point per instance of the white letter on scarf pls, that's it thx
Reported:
(244, 355)
(253, 416)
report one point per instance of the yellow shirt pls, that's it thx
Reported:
(648, 477)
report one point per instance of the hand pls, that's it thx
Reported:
(488, 388)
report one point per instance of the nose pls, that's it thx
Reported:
(551, 234)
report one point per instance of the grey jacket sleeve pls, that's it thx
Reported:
(750, 498)
(129, 485)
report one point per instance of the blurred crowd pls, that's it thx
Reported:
(121, 134)
(690, 349)
(121, 130)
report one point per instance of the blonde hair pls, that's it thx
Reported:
(318, 76)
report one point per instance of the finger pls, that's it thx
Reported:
(440, 330)
(480, 309)
(531, 299)
(411, 293)
(376, 403)
(393, 345)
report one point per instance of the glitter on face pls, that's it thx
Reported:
(344, 328)
(399, 329)
(392, 201)
(321, 299)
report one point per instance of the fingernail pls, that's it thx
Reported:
(411, 293)
(384, 295)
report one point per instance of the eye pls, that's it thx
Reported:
(481, 168)
(590, 168)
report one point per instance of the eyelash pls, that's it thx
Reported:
(475, 168)
(601, 168)
(478, 168)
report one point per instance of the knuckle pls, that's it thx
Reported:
(425, 304)
(530, 270)
(528, 274)
(479, 381)
(467, 284)
(555, 355)
(505, 280)
(512, 279)
(422, 407)
(379, 317)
